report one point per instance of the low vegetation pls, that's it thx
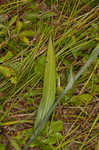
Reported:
(49, 74)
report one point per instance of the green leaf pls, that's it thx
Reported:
(49, 89)
(6, 57)
(2, 26)
(50, 140)
(79, 99)
(13, 80)
(66, 148)
(56, 126)
(19, 26)
(85, 98)
(25, 40)
(13, 20)
(75, 100)
(2, 147)
(40, 65)
(9, 73)
(46, 147)
(49, 14)
(29, 33)
(6, 71)
(14, 143)
(37, 142)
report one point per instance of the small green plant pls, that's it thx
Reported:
(50, 135)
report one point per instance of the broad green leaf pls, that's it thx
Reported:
(50, 140)
(6, 57)
(49, 89)
(56, 126)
